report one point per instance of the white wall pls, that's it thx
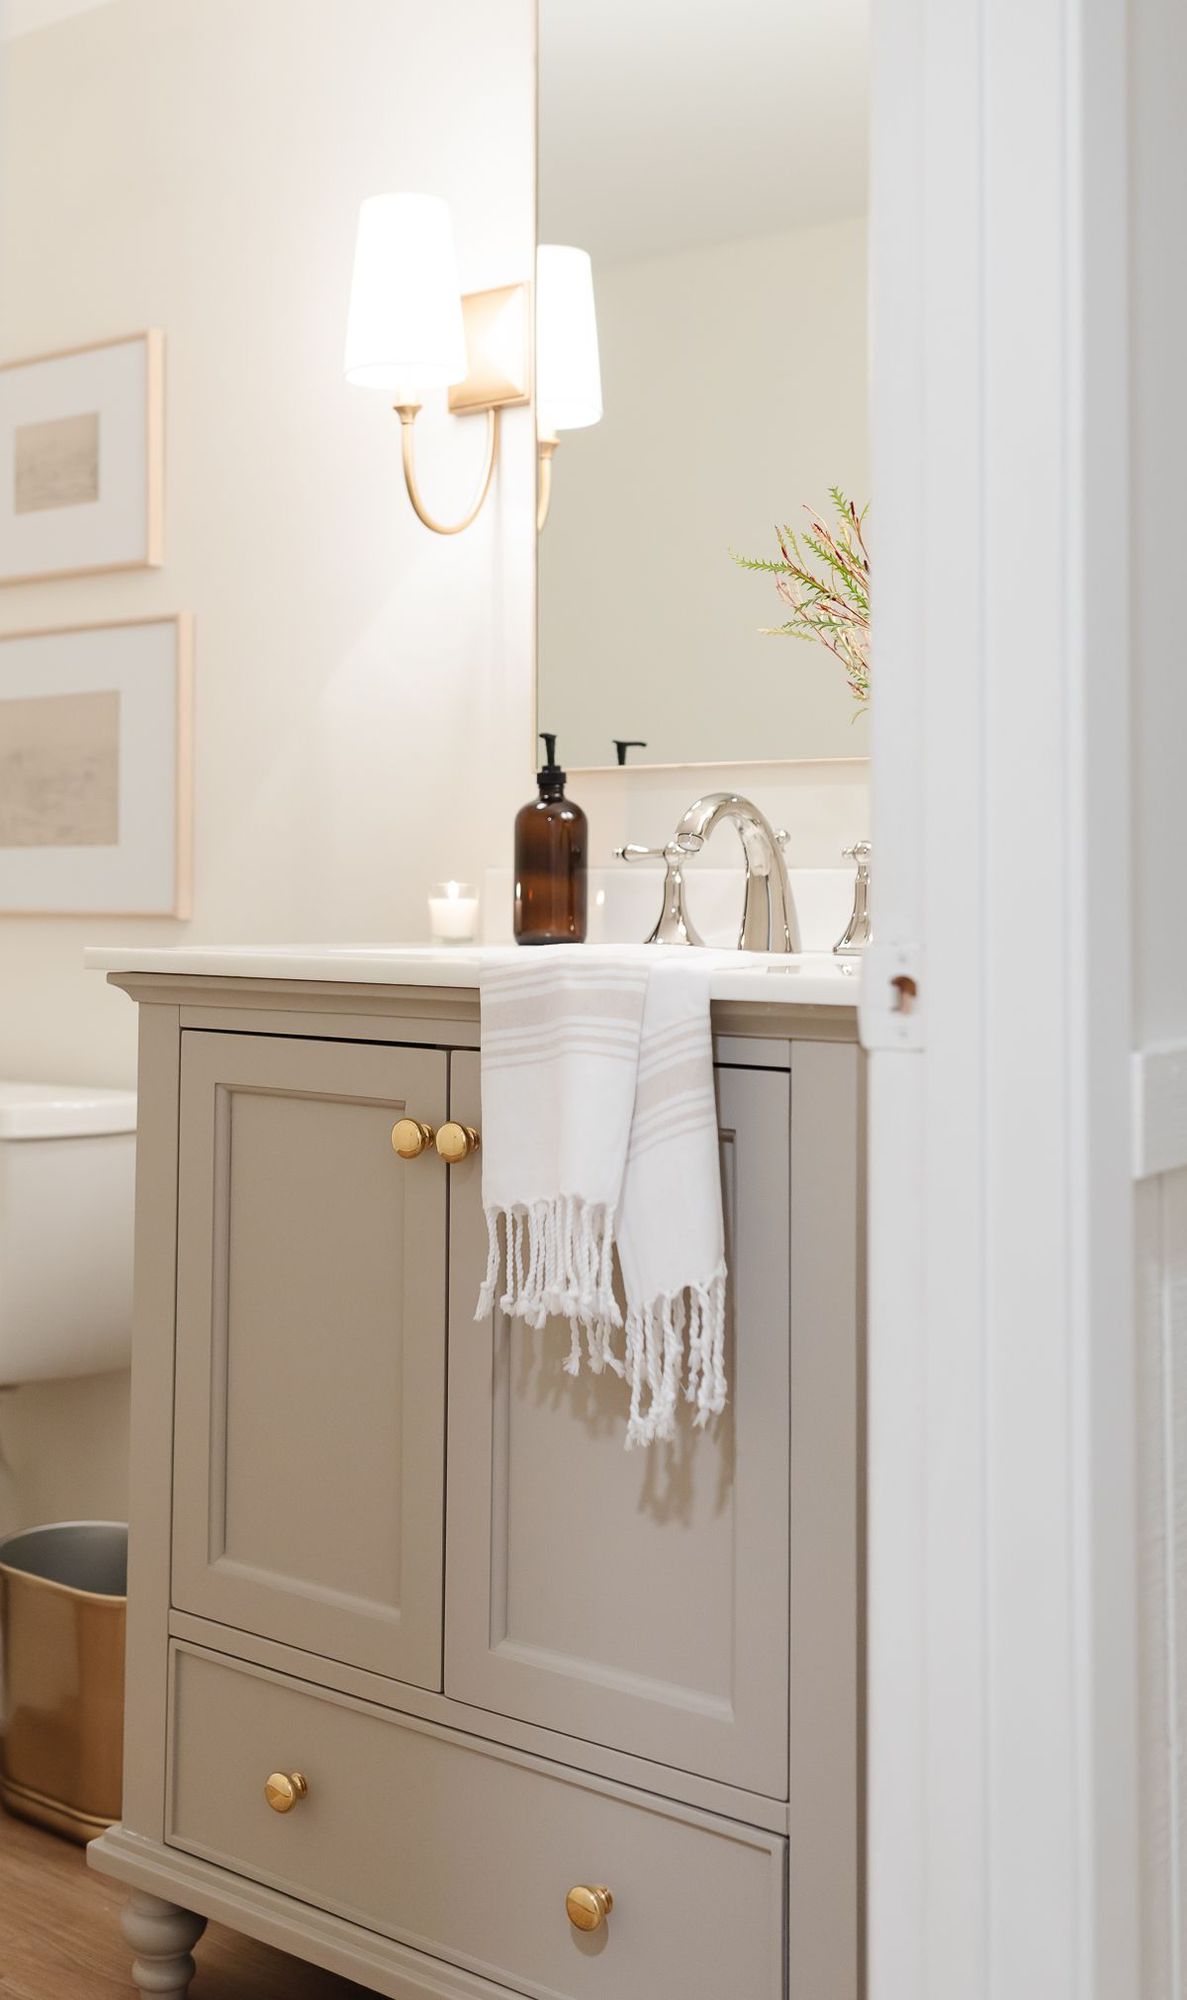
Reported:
(1158, 416)
(734, 384)
(362, 687)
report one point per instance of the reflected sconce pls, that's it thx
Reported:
(411, 329)
(568, 371)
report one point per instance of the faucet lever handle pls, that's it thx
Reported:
(674, 925)
(858, 932)
(633, 853)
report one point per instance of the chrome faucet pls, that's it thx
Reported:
(768, 910)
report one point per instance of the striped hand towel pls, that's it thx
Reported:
(600, 1134)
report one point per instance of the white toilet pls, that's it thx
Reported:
(67, 1161)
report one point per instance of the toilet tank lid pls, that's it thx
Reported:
(64, 1111)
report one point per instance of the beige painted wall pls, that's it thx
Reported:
(64, 1452)
(734, 383)
(362, 687)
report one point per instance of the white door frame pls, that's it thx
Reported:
(1003, 1689)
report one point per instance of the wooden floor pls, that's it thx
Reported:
(60, 1937)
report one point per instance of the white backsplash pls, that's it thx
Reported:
(825, 807)
(624, 902)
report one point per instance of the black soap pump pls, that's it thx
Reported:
(551, 844)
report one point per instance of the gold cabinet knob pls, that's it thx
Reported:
(456, 1142)
(411, 1137)
(285, 1789)
(588, 1909)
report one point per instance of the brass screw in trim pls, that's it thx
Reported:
(588, 1908)
(285, 1789)
(411, 1137)
(456, 1142)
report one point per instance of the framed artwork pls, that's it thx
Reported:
(82, 460)
(95, 802)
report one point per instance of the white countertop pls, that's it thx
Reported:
(809, 979)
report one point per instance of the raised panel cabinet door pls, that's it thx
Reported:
(311, 1293)
(635, 1599)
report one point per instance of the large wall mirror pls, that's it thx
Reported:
(711, 163)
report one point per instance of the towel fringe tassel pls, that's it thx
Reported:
(559, 1262)
(658, 1337)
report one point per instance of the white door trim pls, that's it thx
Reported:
(1003, 1800)
(1159, 1110)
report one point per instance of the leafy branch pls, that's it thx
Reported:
(830, 605)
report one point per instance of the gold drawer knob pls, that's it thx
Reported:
(588, 1909)
(285, 1789)
(411, 1137)
(456, 1142)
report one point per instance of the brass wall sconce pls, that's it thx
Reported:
(411, 329)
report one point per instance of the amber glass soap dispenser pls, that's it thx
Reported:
(550, 854)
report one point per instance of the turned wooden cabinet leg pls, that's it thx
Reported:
(162, 1938)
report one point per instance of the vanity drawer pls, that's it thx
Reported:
(468, 1852)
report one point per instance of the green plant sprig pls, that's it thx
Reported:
(831, 609)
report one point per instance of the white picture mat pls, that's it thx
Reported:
(138, 876)
(113, 531)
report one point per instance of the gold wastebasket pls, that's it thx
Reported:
(63, 1599)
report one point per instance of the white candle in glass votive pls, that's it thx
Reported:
(453, 912)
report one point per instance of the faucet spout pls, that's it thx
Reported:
(769, 920)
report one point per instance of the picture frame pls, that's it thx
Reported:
(82, 460)
(96, 769)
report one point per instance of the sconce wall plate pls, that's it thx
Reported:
(498, 351)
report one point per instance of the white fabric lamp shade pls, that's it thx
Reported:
(405, 333)
(568, 371)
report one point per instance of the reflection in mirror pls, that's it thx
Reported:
(711, 164)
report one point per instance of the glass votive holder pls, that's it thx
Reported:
(453, 912)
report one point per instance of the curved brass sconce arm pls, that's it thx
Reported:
(407, 413)
(545, 450)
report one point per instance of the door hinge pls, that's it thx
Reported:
(891, 1008)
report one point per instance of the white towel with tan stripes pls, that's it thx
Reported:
(599, 1133)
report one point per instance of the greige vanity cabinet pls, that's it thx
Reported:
(504, 1678)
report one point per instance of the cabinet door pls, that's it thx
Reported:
(311, 1348)
(640, 1599)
